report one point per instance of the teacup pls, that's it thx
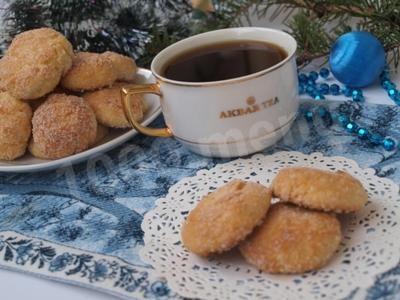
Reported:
(227, 118)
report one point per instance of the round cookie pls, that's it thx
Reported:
(91, 71)
(124, 65)
(34, 63)
(62, 126)
(225, 217)
(292, 240)
(106, 104)
(15, 126)
(322, 190)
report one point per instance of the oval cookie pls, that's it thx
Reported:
(292, 240)
(322, 190)
(225, 217)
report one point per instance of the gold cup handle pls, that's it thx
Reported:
(126, 94)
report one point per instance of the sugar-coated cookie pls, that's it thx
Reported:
(225, 217)
(125, 66)
(292, 240)
(106, 104)
(34, 63)
(63, 125)
(322, 190)
(15, 126)
(91, 71)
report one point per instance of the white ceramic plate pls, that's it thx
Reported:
(29, 163)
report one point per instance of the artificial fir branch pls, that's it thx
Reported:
(382, 18)
(317, 23)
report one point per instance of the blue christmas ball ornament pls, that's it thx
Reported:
(357, 59)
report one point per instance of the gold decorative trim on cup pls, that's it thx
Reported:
(139, 89)
(242, 140)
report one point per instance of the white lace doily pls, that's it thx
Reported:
(371, 243)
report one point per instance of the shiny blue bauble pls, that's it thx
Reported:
(357, 59)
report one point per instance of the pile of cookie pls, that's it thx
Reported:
(299, 233)
(55, 102)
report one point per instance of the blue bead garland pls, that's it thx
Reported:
(351, 127)
(324, 73)
(389, 144)
(308, 85)
(347, 91)
(362, 133)
(334, 89)
(324, 88)
(358, 98)
(389, 86)
(303, 78)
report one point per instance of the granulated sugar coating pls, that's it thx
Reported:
(125, 66)
(107, 105)
(63, 125)
(225, 217)
(15, 126)
(322, 190)
(34, 63)
(91, 71)
(292, 240)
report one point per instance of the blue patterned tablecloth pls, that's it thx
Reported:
(81, 224)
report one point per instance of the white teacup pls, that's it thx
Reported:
(225, 118)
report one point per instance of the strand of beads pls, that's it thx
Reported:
(363, 133)
(308, 85)
(390, 86)
(350, 126)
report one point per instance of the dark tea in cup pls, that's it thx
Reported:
(222, 61)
